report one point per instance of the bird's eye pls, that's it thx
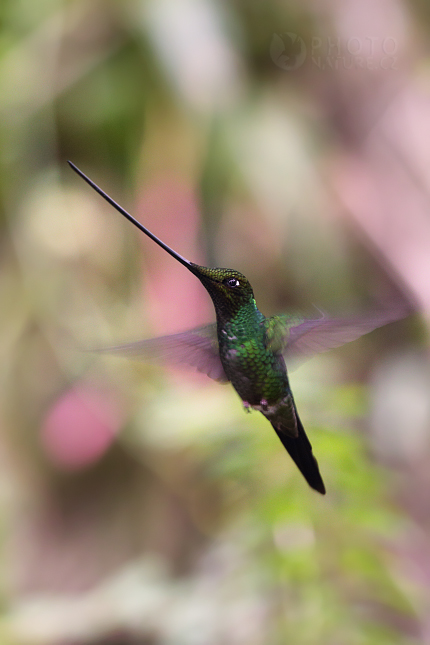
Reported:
(232, 282)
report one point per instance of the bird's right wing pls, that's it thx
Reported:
(305, 338)
(299, 338)
(196, 348)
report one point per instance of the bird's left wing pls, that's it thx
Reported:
(300, 338)
(196, 348)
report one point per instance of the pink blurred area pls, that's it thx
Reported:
(81, 426)
(381, 115)
(380, 176)
(176, 300)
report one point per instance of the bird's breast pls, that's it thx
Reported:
(256, 373)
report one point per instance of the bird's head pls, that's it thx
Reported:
(229, 289)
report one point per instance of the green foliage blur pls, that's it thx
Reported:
(138, 504)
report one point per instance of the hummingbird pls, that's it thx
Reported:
(249, 350)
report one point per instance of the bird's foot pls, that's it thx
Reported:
(247, 406)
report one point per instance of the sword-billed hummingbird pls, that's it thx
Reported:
(249, 350)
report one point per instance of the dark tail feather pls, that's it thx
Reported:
(300, 450)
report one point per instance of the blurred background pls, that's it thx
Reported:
(140, 505)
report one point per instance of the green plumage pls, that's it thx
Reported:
(250, 345)
(248, 349)
(254, 369)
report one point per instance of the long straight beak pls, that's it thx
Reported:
(190, 265)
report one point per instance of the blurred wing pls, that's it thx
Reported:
(196, 348)
(310, 337)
